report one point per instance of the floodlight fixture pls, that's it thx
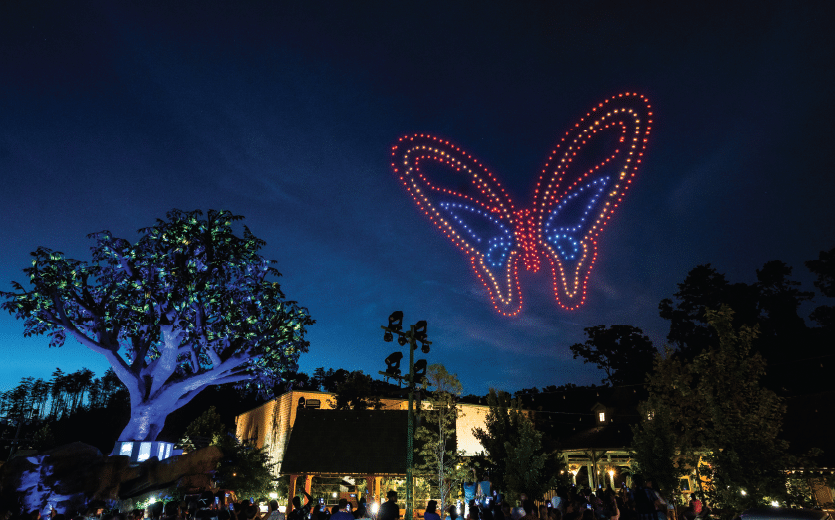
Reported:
(420, 330)
(393, 364)
(396, 320)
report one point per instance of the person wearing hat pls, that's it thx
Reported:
(431, 512)
(389, 510)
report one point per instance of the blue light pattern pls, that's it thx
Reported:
(565, 237)
(465, 217)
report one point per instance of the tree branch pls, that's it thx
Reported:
(162, 368)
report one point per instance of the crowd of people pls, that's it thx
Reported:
(481, 502)
(572, 503)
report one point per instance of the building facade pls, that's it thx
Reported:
(269, 425)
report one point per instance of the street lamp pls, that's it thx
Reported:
(417, 371)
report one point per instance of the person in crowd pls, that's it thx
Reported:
(484, 490)
(343, 511)
(474, 512)
(362, 509)
(527, 506)
(452, 513)
(431, 512)
(644, 498)
(275, 514)
(661, 508)
(389, 510)
(299, 512)
(694, 508)
(470, 490)
(609, 508)
(251, 512)
(558, 500)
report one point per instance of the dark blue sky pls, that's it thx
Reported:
(112, 113)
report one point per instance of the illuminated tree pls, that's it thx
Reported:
(188, 305)
(437, 456)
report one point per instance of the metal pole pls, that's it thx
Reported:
(410, 427)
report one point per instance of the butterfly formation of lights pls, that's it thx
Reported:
(575, 197)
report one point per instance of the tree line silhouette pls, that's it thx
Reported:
(62, 396)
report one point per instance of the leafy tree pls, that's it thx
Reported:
(436, 451)
(661, 450)
(188, 305)
(512, 445)
(203, 431)
(357, 392)
(501, 422)
(824, 269)
(716, 405)
(526, 463)
(43, 439)
(704, 288)
(244, 468)
(624, 352)
(771, 304)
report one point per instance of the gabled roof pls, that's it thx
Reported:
(347, 442)
(613, 436)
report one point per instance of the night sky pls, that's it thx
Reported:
(113, 113)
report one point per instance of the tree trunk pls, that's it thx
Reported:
(146, 421)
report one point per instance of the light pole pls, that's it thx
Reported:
(415, 334)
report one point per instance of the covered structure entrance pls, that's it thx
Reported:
(366, 444)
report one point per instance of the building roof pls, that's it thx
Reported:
(613, 436)
(347, 442)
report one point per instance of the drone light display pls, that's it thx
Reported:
(583, 181)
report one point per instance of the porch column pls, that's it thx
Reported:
(308, 483)
(291, 492)
(372, 491)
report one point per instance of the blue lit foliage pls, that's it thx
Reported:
(188, 305)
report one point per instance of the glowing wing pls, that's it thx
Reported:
(584, 181)
(464, 200)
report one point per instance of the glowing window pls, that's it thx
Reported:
(144, 451)
(601, 416)
(126, 449)
(161, 451)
